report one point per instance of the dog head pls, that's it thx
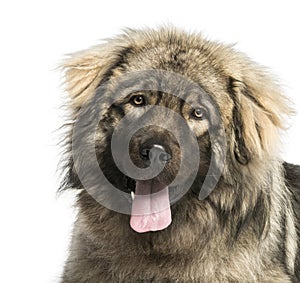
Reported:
(173, 89)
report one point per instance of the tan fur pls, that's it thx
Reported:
(195, 248)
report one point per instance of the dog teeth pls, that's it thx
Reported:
(132, 195)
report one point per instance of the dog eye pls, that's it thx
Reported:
(198, 114)
(138, 100)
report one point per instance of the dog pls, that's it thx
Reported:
(172, 147)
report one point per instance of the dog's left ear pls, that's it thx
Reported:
(86, 70)
(258, 108)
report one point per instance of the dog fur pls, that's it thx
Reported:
(247, 229)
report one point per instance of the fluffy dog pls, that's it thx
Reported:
(244, 227)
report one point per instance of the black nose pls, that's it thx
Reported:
(154, 153)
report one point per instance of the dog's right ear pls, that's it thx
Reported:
(258, 112)
(86, 70)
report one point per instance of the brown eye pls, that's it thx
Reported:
(198, 114)
(138, 100)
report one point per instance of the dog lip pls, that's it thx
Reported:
(129, 184)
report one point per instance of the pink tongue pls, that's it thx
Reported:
(150, 208)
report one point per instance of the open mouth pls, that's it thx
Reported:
(150, 198)
(150, 206)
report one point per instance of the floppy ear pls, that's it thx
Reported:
(85, 70)
(257, 117)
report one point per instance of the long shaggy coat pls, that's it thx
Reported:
(247, 229)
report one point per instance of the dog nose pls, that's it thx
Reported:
(154, 153)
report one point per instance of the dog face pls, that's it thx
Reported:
(155, 107)
(233, 94)
(159, 125)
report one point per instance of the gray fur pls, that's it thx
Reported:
(247, 230)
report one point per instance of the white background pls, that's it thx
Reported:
(35, 223)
